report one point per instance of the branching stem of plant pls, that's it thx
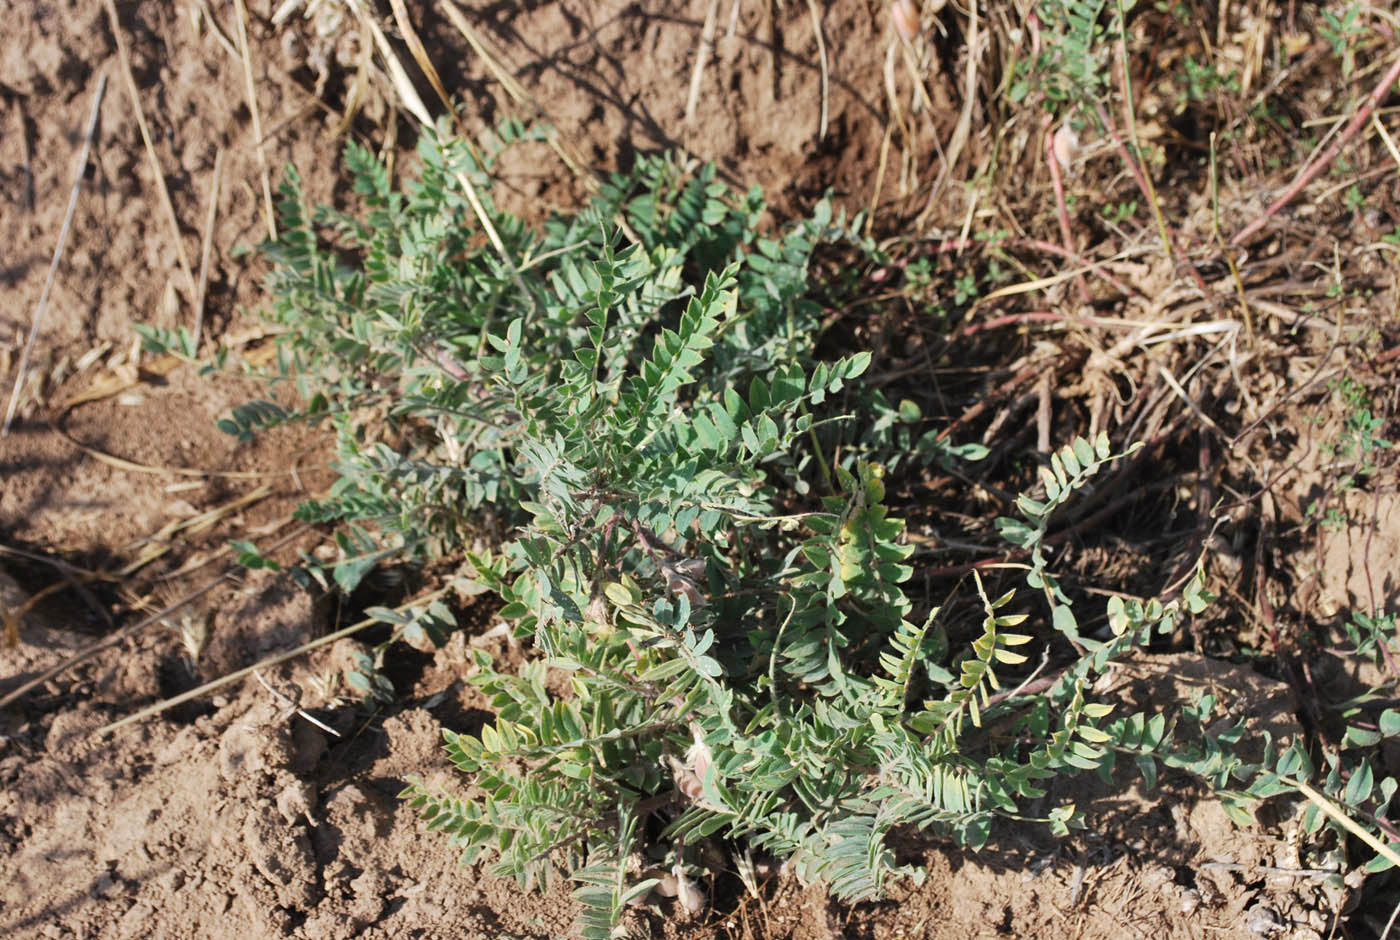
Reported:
(1311, 172)
(1342, 819)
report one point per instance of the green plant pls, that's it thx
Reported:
(1343, 33)
(1118, 213)
(1201, 80)
(1375, 638)
(1359, 438)
(689, 503)
(1073, 66)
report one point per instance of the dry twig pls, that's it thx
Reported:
(113, 639)
(161, 190)
(208, 244)
(57, 252)
(1310, 172)
(815, 13)
(253, 669)
(702, 58)
(252, 93)
(1061, 211)
(566, 151)
(425, 64)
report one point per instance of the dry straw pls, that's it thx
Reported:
(159, 174)
(252, 93)
(57, 253)
(208, 244)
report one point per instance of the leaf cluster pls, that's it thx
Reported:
(688, 503)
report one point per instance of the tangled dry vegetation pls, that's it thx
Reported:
(1124, 273)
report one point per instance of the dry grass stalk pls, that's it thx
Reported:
(39, 308)
(161, 190)
(702, 58)
(406, 92)
(1389, 141)
(201, 15)
(566, 152)
(132, 466)
(415, 46)
(879, 177)
(733, 28)
(1061, 210)
(358, 86)
(251, 90)
(158, 543)
(251, 670)
(1346, 822)
(963, 130)
(208, 244)
(285, 11)
(1311, 172)
(816, 16)
(291, 704)
(116, 637)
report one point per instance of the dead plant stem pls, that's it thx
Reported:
(161, 190)
(702, 58)
(113, 639)
(815, 12)
(39, 308)
(1311, 171)
(1061, 210)
(207, 245)
(267, 663)
(252, 92)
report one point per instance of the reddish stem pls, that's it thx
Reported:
(1062, 213)
(1040, 316)
(1321, 163)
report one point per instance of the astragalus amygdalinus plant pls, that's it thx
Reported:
(695, 536)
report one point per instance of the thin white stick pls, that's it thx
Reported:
(57, 252)
(288, 703)
(237, 674)
(208, 245)
(821, 54)
(162, 190)
(733, 20)
(702, 57)
(257, 119)
(404, 86)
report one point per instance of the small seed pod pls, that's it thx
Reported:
(679, 584)
(665, 883)
(688, 893)
(905, 16)
(1066, 146)
(691, 785)
(686, 781)
(693, 568)
(698, 757)
(597, 611)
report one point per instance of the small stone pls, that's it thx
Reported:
(1261, 921)
(297, 799)
(1157, 877)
